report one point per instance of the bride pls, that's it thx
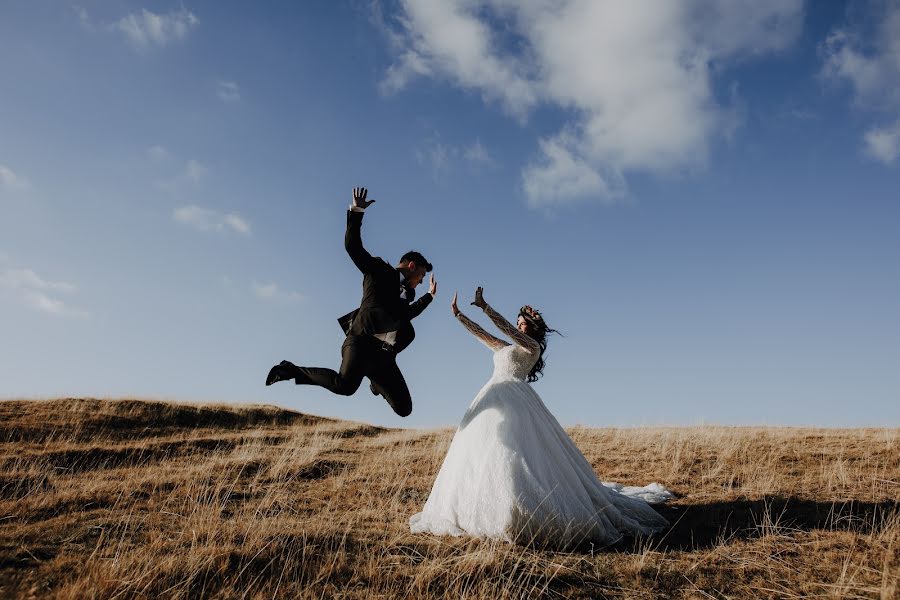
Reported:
(512, 472)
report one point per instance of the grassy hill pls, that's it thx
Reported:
(128, 498)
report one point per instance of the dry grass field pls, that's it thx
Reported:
(125, 498)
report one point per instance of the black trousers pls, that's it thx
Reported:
(363, 356)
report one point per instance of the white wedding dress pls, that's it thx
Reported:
(512, 472)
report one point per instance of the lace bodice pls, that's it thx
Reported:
(510, 361)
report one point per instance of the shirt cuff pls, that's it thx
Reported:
(357, 208)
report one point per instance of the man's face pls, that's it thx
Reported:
(415, 275)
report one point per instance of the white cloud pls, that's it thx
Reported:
(10, 180)
(83, 17)
(272, 292)
(206, 219)
(28, 279)
(445, 38)
(745, 28)
(157, 153)
(870, 63)
(476, 153)
(147, 29)
(237, 223)
(44, 303)
(562, 175)
(192, 173)
(435, 154)
(408, 65)
(195, 171)
(441, 157)
(874, 75)
(34, 291)
(883, 143)
(228, 91)
(800, 114)
(636, 77)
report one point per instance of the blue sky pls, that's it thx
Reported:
(702, 198)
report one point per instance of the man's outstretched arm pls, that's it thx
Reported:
(353, 237)
(416, 308)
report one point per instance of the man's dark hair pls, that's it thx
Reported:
(417, 258)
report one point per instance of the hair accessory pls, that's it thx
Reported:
(532, 314)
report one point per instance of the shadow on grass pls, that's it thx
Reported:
(701, 526)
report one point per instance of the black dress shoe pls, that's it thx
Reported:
(281, 372)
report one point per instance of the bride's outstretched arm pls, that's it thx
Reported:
(523, 340)
(483, 336)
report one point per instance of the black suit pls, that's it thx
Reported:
(381, 310)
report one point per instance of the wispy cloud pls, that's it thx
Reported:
(9, 179)
(195, 171)
(26, 278)
(447, 38)
(883, 143)
(433, 153)
(84, 17)
(799, 114)
(178, 180)
(636, 76)
(441, 157)
(563, 175)
(38, 293)
(157, 153)
(205, 219)
(147, 29)
(477, 154)
(870, 62)
(228, 91)
(44, 303)
(273, 293)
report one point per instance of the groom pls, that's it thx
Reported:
(379, 329)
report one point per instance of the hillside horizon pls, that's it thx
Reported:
(239, 406)
(136, 498)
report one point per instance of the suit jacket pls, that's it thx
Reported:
(381, 309)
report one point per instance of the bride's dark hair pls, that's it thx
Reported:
(537, 330)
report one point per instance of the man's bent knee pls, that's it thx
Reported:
(403, 409)
(346, 388)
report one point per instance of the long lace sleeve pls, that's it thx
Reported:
(522, 340)
(483, 336)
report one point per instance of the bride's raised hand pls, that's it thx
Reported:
(479, 298)
(453, 306)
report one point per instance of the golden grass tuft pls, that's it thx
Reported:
(128, 498)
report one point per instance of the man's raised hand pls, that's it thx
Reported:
(359, 198)
(432, 286)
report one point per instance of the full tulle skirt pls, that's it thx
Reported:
(512, 473)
